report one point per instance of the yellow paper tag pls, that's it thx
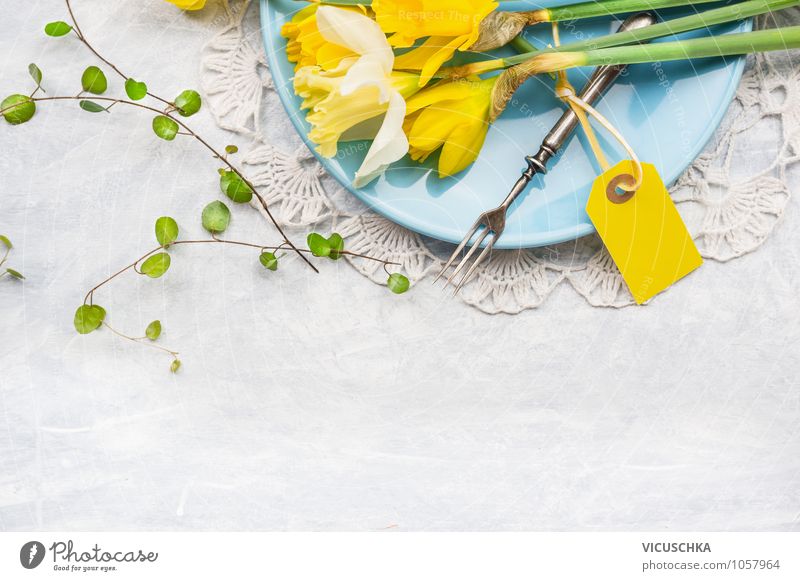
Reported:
(643, 232)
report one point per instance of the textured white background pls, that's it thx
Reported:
(324, 402)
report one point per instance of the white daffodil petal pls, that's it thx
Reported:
(357, 32)
(390, 143)
(358, 96)
(367, 72)
(344, 65)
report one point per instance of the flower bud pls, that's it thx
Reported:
(499, 28)
(512, 79)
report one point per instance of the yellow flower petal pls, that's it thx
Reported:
(307, 46)
(410, 20)
(188, 4)
(428, 57)
(336, 114)
(428, 133)
(445, 91)
(415, 59)
(448, 25)
(463, 145)
(452, 116)
(329, 55)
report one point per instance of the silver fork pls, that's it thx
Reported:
(494, 221)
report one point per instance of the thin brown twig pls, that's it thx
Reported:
(171, 107)
(82, 38)
(140, 341)
(90, 295)
(113, 101)
(276, 248)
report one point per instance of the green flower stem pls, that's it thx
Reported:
(214, 240)
(522, 45)
(576, 11)
(716, 46)
(705, 19)
(611, 7)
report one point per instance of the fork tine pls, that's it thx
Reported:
(465, 260)
(460, 247)
(475, 264)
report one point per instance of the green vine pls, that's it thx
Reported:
(168, 123)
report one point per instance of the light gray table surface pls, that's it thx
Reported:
(323, 402)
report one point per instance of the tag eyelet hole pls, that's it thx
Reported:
(617, 195)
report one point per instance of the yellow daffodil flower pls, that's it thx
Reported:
(447, 25)
(452, 115)
(188, 4)
(306, 46)
(359, 99)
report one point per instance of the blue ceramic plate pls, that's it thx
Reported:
(667, 113)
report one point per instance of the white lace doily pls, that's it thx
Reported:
(731, 203)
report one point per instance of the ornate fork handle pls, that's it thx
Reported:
(602, 78)
(494, 221)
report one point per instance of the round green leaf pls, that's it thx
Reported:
(166, 230)
(318, 244)
(231, 149)
(176, 364)
(135, 89)
(88, 318)
(36, 73)
(235, 187)
(6, 242)
(398, 283)
(188, 103)
(15, 274)
(336, 243)
(165, 127)
(153, 330)
(269, 260)
(92, 107)
(156, 265)
(18, 109)
(57, 28)
(216, 217)
(94, 81)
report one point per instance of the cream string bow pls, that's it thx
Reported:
(565, 91)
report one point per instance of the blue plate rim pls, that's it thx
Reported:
(426, 229)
